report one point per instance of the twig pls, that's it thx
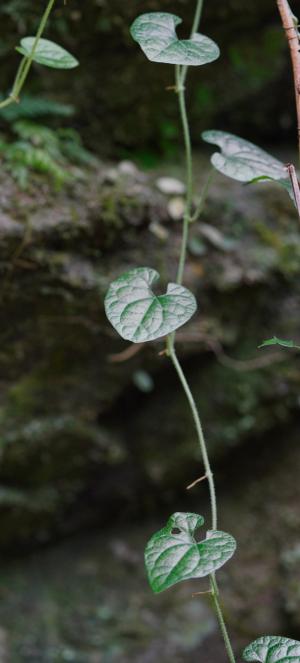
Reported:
(128, 353)
(191, 485)
(295, 184)
(206, 591)
(290, 26)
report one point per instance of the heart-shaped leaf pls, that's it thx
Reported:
(47, 53)
(173, 554)
(279, 341)
(273, 649)
(156, 34)
(244, 161)
(138, 314)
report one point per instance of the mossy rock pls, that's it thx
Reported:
(80, 440)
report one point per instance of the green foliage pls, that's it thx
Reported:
(16, 8)
(138, 314)
(34, 107)
(47, 53)
(245, 162)
(38, 148)
(273, 649)
(279, 341)
(155, 32)
(173, 554)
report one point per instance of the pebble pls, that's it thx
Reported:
(170, 186)
(127, 168)
(176, 208)
(159, 231)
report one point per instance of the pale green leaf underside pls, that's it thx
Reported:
(273, 649)
(138, 314)
(173, 557)
(48, 53)
(156, 34)
(245, 162)
(279, 341)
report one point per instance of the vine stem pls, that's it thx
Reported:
(290, 25)
(199, 429)
(203, 196)
(189, 175)
(181, 73)
(215, 598)
(195, 27)
(26, 63)
(212, 491)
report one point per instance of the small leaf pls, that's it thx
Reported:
(156, 34)
(273, 649)
(48, 53)
(279, 341)
(244, 161)
(173, 554)
(138, 314)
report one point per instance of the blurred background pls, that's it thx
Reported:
(97, 443)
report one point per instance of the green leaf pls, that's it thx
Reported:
(173, 554)
(156, 34)
(273, 649)
(47, 53)
(138, 314)
(244, 161)
(279, 341)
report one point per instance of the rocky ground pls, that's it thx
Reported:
(88, 601)
(97, 441)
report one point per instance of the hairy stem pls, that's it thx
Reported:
(290, 25)
(195, 28)
(189, 174)
(26, 63)
(197, 17)
(203, 196)
(218, 609)
(199, 429)
(212, 491)
(19, 73)
(188, 217)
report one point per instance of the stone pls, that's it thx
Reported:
(170, 186)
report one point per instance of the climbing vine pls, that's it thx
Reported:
(174, 554)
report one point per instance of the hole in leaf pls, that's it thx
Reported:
(175, 530)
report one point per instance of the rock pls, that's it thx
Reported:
(128, 169)
(72, 412)
(120, 618)
(216, 238)
(111, 175)
(159, 231)
(170, 186)
(176, 208)
(143, 381)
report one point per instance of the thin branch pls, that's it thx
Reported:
(290, 25)
(128, 353)
(191, 485)
(295, 185)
